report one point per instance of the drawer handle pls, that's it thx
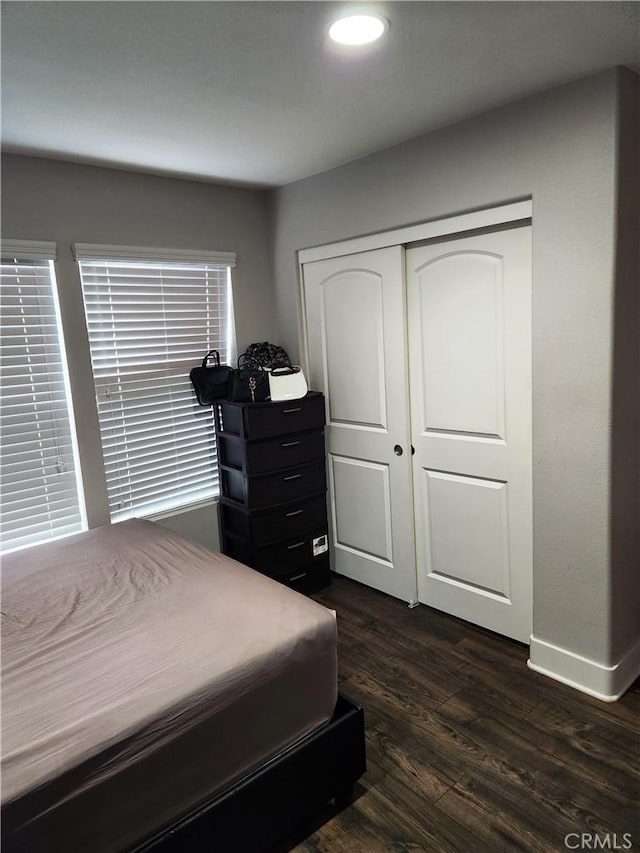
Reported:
(292, 477)
(291, 514)
(290, 444)
(299, 577)
(293, 547)
(291, 411)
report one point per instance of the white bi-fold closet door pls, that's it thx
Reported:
(424, 356)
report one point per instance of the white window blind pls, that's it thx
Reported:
(41, 494)
(149, 322)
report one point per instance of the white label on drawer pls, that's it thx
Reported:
(320, 546)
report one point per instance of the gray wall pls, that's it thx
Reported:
(67, 203)
(559, 147)
(625, 445)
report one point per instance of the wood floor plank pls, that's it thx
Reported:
(469, 750)
(402, 749)
(554, 780)
(401, 708)
(391, 662)
(404, 815)
(618, 719)
(488, 651)
(348, 831)
(350, 656)
(493, 689)
(614, 772)
(424, 624)
(502, 819)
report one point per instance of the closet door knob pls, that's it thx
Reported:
(398, 450)
(413, 450)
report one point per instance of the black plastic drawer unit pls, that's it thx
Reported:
(273, 513)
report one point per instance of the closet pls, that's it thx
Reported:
(423, 352)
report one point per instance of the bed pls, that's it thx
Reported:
(157, 696)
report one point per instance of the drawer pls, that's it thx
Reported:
(283, 418)
(282, 558)
(258, 457)
(261, 528)
(308, 579)
(267, 490)
(252, 421)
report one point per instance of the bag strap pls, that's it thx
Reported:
(217, 358)
(248, 361)
(284, 371)
(245, 362)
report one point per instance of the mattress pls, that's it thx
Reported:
(141, 675)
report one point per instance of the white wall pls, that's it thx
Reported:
(67, 203)
(559, 147)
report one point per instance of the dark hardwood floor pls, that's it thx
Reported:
(468, 750)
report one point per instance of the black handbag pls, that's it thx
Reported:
(211, 381)
(248, 384)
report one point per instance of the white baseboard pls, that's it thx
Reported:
(604, 682)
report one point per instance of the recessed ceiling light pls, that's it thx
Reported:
(358, 29)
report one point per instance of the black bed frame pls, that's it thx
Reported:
(266, 806)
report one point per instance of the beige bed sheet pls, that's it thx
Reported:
(141, 674)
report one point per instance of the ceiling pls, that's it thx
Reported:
(252, 92)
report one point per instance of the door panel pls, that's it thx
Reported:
(462, 345)
(469, 304)
(478, 560)
(357, 394)
(355, 316)
(362, 506)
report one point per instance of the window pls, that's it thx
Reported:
(41, 493)
(151, 317)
